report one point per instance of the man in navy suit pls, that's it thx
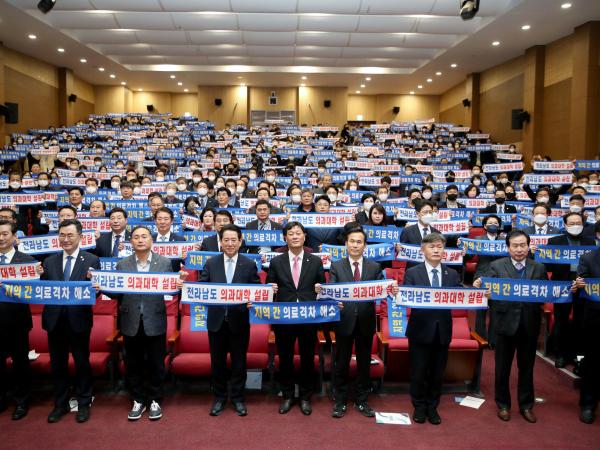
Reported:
(110, 245)
(69, 327)
(228, 326)
(213, 243)
(429, 331)
(163, 218)
(15, 324)
(262, 222)
(413, 234)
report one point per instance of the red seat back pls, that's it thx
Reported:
(259, 338)
(192, 341)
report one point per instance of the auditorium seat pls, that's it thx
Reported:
(471, 263)
(464, 357)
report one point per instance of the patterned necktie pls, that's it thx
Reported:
(356, 272)
(67, 271)
(425, 231)
(540, 230)
(2, 259)
(435, 279)
(230, 270)
(296, 271)
(519, 267)
(115, 251)
(500, 209)
(261, 225)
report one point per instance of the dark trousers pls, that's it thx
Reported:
(524, 343)
(145, 352)
(427, 364)
(285, 337)
(486, 331)
(236, 344)
(568, 344)
(343, 355)
(590, 369)
(62, 340)
(14, 342)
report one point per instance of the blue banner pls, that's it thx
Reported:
(562, 254)
(592, 289)
(530, 291)
(376, 252)
(389, 235)
(197, 260)
(197, 236)
(199, 315)
(397, 319)
(263, 238)
(484, 247)
(44, 292)
(109, 264)
(281, 313)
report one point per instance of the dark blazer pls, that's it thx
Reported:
(253, 225)
(80, 317)
(155, 311)
(315, 237)
(104, 244)
(211, 244)
(423, 323)
(508, 314)
(173, 237)
(533, 230)
(210, 202)
(492, 209)
(311, 273)
(412, 234)
(363, 312)
(444, 205)
(589, 268)
(14, 316)
(214, 272)
(562, 272)
(361, 217)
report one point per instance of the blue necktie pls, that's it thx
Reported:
(435, 279)
(115, 251)
(67, 271)
(230, 271)
(3, 259)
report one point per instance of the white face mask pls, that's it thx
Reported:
(427, 218)
(196, 180)
(43, 183)
(593, 182)
(540, 219)
(426, 195)
(171, 192)
(296, 198)
(382, 197)
(15, 185)
(477, 182)
(202, 192)
(490, 189)
(574, 230)
(94, 189)
(219, 185)
(367, 206)
(211, 177)
(543, 199)
(115, 185)
(575, 208)
(332, 197)
(231, 190)
(352, 188)
(137, 190)
(270, 178)
(181, 187)
(503, 180)
(252, 176)
(239, 189)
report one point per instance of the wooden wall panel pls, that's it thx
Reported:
(496, 105)
(556, 120)
(311, 109)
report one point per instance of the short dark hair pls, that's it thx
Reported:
(12, 212)
(323, 197)
(164, 209)
(69, 222)
(491, 216)
(76, 188)
(141, 227)
(451, 186)
(420, 205)
(291, 224)
(577, 197)
(224, 189)
(569, 214)
(208, 209)
(117, 210)
(542, 205)
(230, 227)
(13, 225)
(355, 229)
(126, 184)
(367, 196)
(151, 195)
(262, 202)
(516, 233)
(67, 207)
(224, 212)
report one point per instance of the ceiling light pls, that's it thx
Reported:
(172, 77)
(412, 92)
(240, 78)
(362, 85)
(140, 90)
(46, 5)
(32, 36)
(525, 27)
(566, 5)
(420, 86)
(429, 80)
(358, 92)
(83, 60)
(179, 83)
(60, 50)
(304, 78)
(123, 83)
(368, 78)
(438, 74)
(454, 65)
(101, 69)
(112, 75)
(186, 90)
(496, 43)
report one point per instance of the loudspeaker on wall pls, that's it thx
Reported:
(327, 103)
(218, 102)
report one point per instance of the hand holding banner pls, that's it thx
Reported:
(139, 283)
(531, 291)
(43, 292)
(362, 291)
(226, 294)
(441, 298)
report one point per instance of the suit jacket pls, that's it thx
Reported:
(353, 312)
(80, 317)
(214, 272)
(562, 272)
(533, 230)
(508, 314)
(361, 217)
(130, 305)
(104, 244)
(315, 237)
(14, 316)
(493, 209)
(589, 268)
(211, 244)
(253, 225)
(423, 323)
(311, 273)
(412, 234)
(210, 203)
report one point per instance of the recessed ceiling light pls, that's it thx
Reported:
(101, 69)
(358, 92)
(32, 36)
(368, 78)
(186, 90)
(566, 5)
(140, 90)
(362, 85)
(112, 75)
(525, 27)
(454, 65)
(438, 74)
(412, 92)
(172, 77)
(304, 78)
(123, 83)
(60, 50)
(83, 60)
(496, 43)
(179, 83)
(429, 80)
(420, 86)
(240, 78)
(302, 85)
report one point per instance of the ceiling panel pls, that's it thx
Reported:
(322, 38)
(222, 50)
(127, 5)
(145, 20)
(215, 37)
(387, 52)
(386, 24)
(80, 5)
(162, 37)
(376, 39)
(177, 50)
(396, 7)
(448, 25)
(128, 49)
(318, 52)
(228, 60)
(270, 51)
(147, 59)
(266, 61)
(329, 6)
(430, 40)
(268, 6)
(270, 38)
(104, 36)
(268, 22)
(192, 21)
(328, 23)
(78, 19)
(195, 5)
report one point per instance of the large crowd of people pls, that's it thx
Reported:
(152, 179)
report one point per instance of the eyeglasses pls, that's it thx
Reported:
(70, 236)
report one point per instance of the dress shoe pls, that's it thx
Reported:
(420, 415)
(286, 405)
(365, 409)
(240, 409)
(83, 414)
(217, 408)
(339, 410)
(529, 416)
(20, 412)
(587, 416)
(305, 407)
(57, 414)
(560, 362)
(504, 414)
(433, 416)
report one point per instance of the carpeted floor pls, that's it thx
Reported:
(186, 423)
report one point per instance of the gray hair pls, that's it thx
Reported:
(433, 237)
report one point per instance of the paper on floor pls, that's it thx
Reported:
(472, 402)
(392, 418)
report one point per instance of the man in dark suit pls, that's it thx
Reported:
(356, 326)
(325, 235)
(429, 331)
(413, 234)
(517, 327)
(540, 213)
(451, 198)
(76, 199)
(296, 273)
(163, 218)
(567, 346)
(499, 206)
(590, 367)
(223, 199)
(262, 222)
(15, 324)
(111, 245)
(228, 326)
(213, 243)
(69, 327)
(143, 320)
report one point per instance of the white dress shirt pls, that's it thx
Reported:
(143, 266)
(9, 255)
(163, 237)
(360, 265)
(64, 260)
(300, 258)
(226, 263)
(429, 268)
(112, 242)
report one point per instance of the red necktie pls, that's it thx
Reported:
(356, 272)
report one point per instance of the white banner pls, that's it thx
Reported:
(441, 298)
(139, 283)
(226, 294)
(25, 271)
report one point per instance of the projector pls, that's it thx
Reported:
(468, 8)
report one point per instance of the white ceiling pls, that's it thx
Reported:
(400, 43)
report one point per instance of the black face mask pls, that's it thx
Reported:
(450, 179)
(511, 196)
(452, 197)
(500, 200)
